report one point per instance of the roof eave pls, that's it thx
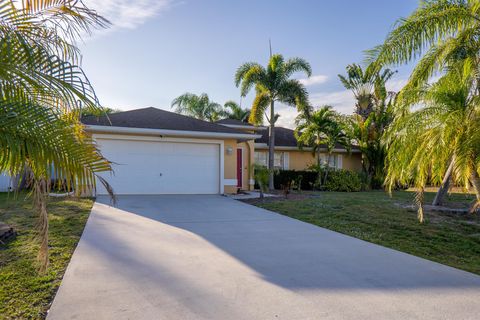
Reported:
(292, 148)
(165, 132)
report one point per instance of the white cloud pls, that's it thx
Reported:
(128, 14)
(342, 101)
(317, 79)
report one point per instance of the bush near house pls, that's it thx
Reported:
(343, 181)
(337, 180)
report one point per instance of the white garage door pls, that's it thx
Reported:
(152, 167)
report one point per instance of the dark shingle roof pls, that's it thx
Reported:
(285, 138)
(153, 118)
(233, 122)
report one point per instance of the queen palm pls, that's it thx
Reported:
(439, 33)
(234, 111)
(198, 106)
(422, 143)
(273, 84)
(42, 90)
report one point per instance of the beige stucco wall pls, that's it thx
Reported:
(230, 164)
(301, 160)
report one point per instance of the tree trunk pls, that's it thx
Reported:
(327, 167)
(475, 181)
(319, 164)
(442, 191)
(271, 146)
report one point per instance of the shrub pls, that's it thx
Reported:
(283, 177)
(343, 180)
(261, 175)
(337, 180)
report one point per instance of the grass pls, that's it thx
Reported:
(25, 294)
(449, 239)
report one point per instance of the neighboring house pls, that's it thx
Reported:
(154, 151)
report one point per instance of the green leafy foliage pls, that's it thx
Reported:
(343, 181)
(42, 92)
(373, 114)
(337, 180)
(198, 106)
(24, 293)
(272, 84)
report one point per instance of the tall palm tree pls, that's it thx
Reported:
(234, 111)
(42, 91)
(198, 106)
(439, 34)
(372, 115)
(273, 84)
(313, 131)
(422, 142)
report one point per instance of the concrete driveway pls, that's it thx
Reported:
(211, 257)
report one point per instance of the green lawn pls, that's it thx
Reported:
(24, 294)
(373, 216)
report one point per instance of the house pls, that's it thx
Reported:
(159, 152)
(154, 151)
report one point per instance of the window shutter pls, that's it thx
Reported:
(286, 160)
(339, 161)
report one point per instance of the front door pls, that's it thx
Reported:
(239, 167)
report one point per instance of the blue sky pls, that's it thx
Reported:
(159, 49)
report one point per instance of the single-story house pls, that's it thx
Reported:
(154, 151)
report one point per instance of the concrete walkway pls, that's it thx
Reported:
(211, 257)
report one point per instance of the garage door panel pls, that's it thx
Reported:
(150, 167)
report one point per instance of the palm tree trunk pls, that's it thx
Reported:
(475, 181)
(442, 191)
(271, 146)
(319, 164)
(327, 166)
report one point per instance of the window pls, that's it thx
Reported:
(279, 162)
(335, 160)
(261, 158)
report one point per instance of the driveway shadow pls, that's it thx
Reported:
(292, 254)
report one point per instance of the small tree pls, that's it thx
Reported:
(324, 129)
(261, 175)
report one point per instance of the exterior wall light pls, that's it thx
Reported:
(229, 150)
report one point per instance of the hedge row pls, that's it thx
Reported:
(337, 180)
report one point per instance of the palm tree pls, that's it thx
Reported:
(313, 131)
(373, 113)
(236, 111)
(273, 84)
(439, 34)
(443, 133)
(42, 91)
(198, 106)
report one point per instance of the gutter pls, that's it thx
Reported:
(237, 126)
(165, 132)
